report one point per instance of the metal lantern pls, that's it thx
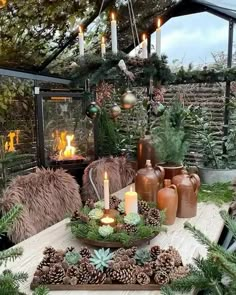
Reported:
(128, 100)
(115, 111)
(93, 110)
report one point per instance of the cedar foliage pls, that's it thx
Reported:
(214, 275)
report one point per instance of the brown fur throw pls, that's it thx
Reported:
(46, 196)
(119, 171)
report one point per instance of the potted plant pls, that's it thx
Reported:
(170, 143)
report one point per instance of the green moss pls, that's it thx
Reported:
(218, 193)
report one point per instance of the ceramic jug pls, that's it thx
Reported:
(167, 199)
(148, 181)
(145, 150)
(187, 188)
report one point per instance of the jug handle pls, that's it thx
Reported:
(173, 186)
(195, 181)
(161, 170)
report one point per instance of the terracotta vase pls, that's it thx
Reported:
(187, 188)
(171, 170)
(148, 181)
(145, 151)
(167, 199)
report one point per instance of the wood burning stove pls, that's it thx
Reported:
(65, 135)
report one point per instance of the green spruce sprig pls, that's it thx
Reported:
(8, 219)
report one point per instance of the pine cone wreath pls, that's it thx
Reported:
(97, 277)
(124, 276)
(161, 278)
(175, 254)
(114, 202)
(56, 274)
(143, 278)
(49, 251)
(143, 207)
(165, 262)
(129, 228)
(85, 252)
(155, 252)
(179, 272)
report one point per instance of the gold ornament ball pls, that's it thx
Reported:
(3, 3)
(115, 111)
(128, 100)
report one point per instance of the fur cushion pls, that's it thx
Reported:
(46, 196)
(119, 171)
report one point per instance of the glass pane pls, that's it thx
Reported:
(68, 133)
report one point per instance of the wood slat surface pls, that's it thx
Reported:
(59, 236)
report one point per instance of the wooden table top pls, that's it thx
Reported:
(208, 220)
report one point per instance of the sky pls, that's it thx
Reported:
(192, 38)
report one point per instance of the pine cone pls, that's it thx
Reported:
(124, 276)
(143, 207)
(179, 272)
(143, 278)
(70, 249)
(97, 277)
(114, 202)
(165, 262)
(155, 252)
(129, 228)
(161, 278)
(56, 274)
(45, 262)
(175, 254)
(83, 277)
(85, 252)
(147, 268)
(49, 251)
(131, 252)
(155, 213)
(90, 203)
(72, 271)
(79, 216)
(152, 221)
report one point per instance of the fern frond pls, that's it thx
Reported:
(8, 219)
(10, 254)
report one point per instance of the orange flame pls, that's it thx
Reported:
(158, 23)
(131, 189)
(103, 40)
(80, 29)
(113, 16)
(105, 176)
(144, 37)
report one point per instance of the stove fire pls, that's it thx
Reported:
(63, 147)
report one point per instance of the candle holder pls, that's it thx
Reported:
(108, 218)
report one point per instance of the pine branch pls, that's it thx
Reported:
(9, 282)
(10, 254)
(228, 267)
(167, 291)
(41, 291)
(8, 219)
(229, 222)
(212, 246)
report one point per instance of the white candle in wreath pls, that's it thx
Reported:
(158, 37)
(81, 41)
(113, 34)
(144, 47)
(131, 202)
(103, 47)
(106, 192)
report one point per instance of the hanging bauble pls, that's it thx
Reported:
(93, 110)
(115, 110)
(3, 3)
(128, 100)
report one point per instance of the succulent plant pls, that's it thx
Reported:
(142, 256)
(121, 207)
(72, 257)
(132, 218)
(101, 258)
(99, 204)
(96, 213)
(105, 230)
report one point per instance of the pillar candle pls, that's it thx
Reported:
(113, 34)
(158, 37)
(106, 192)
(103, 47)
(81, 42)
(131, 202)
(144, 47)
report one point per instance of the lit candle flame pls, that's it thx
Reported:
(144, 37)
(103, 40)
(80, 29)
(113, 16)
(131, 189)
(158, 23)
(105, 176)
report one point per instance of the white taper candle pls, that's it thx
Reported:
(106, 191)
(113, 34)
(81, 42)
(144, 47)
(158, 37)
